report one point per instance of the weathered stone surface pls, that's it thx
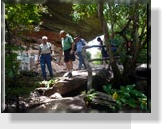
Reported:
(103, 101)
(68, 104)
(43, 104)
(50, 99)
(103, 77)
(64, 86)
(67, 85)
(61, 18)
(56, 96)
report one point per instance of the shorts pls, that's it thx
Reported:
(68, 57)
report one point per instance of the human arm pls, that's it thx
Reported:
(52, 50)
(39, 53)
(84, 43)
(72, 48)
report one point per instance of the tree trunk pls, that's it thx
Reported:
(90, 78)
(130, 65)
(107, 43)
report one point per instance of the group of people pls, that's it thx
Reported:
(70, 48)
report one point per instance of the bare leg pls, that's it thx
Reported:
(71, 65)
(68, 66)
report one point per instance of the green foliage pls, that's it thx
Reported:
(11, 65)
(19, 18)
(116, 15)
(142, 58)
(21, 86)
(88, 54)
(120, 17)
(49, 83)
(23, 16)
(127, 96)
(108, 89)
(11, 62)
(24, 1)
(90, 95)
(98, 56)
(20, 90)
(81, 11)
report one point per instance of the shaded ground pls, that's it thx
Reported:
(31, 96)
(61, 95)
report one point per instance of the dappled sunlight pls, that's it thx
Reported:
(73, 58)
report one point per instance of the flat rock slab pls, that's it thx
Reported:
(65, 85)
(61, 105)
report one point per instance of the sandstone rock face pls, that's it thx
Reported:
(61, 18)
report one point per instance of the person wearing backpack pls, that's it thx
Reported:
(68, 49)
(80, 43)
(44, 56)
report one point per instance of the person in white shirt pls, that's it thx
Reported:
(45, 56)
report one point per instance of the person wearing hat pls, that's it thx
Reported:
(68, 49)
(45, 56)
(80, 43)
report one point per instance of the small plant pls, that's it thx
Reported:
(49, 83)
(127, 96)
(89, 96)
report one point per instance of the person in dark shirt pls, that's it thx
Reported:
(103, 50)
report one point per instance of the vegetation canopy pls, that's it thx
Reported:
(126, 30)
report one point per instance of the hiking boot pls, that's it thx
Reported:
(66, 74)
(51, 77)
(44, 79)
(70, 75)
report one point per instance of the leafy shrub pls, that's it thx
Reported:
(142, 58)
(89, 95)
(127, 96)
(11, 62)
(49, 83)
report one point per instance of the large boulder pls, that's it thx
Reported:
(50, 105)
(66, 86)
